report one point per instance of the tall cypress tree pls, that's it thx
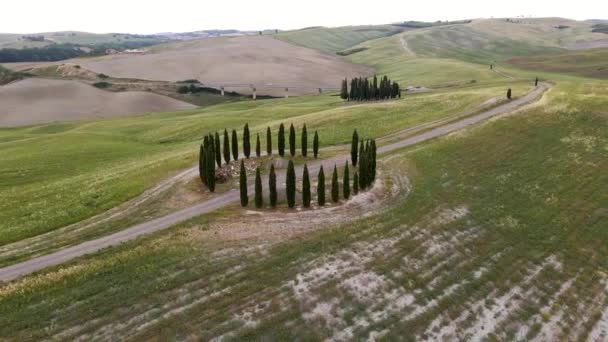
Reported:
(375, 88)
(356, 183)
(354, 148)
(373, 151)
(304, 141)
(306, 187)
(243, 185)
(272, 186)
(268, 141)
(210, 167)
(292, 140)
(226, 147)
(321, 187)
(290, 183)
(536, 82)
(259, 198)
(235, 146)
(258, 148)
(346, 182)
(246, 142)
(509, 93)
(282, 140)
(202, 164)
(362, 169)
(315, 145)
(218, 152)
(344, 90)
(335, 187)
(360, 151)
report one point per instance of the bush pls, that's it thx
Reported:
(104, 76)
(102, 85)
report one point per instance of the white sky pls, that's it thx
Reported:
(152, 16)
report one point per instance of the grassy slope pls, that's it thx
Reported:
(588, 63)
(14, 41)
(67, 172)
(515, 176)
(7, 76)
(332, 40)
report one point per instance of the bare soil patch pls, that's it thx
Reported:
(34, 101)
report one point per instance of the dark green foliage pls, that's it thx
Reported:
(373, 158)
(355, 183)
(218, 152)
(344, 89)
(282, 140)
(268, 141)
(272, 186)
(354, 147)
(210, 164)
(226, 147)
(202, 163)
(335, 187)
(102, 84)
(259, 198)
(243, 185)
(235, 145)
(362, 89)
(321, 187)
(346, 182)
(292, 140)
(258, 148)
(367, 164)
(509, 93)
(290, 183)
(304, 141)
(360, 151)
(536, 82)
(305, 188)
(315, 145)
(246, 142)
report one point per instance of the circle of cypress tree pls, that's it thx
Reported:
(335, 187)
(259, 198)
(235, 145)
(243, 185)
(281, 140)
(321, 187)
(272, 186)
(291, 185)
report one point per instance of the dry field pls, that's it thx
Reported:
(34, 101)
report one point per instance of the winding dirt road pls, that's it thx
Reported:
(14, 271)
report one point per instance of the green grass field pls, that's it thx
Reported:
(15, 41)
(587, 63)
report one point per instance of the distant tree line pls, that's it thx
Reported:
(363, 89)
(363, 177)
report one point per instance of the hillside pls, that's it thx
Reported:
(587, 63)
(336, 39)
(30, 40)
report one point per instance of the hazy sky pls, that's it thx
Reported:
(139, 16)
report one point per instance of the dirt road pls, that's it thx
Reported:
(232, 196)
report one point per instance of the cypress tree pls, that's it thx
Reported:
(373, 151)
(509, 93)
(246, 142)
(268, 142)
(315, 145)
(362, 169)
(258, 148)
(305, 188)
(375, 88)
(243, 185)
(210, 167)
(344, 90)
(292, 140)
(360, 151)
(291, 185)
(304, 141)
(536, 82)
(235, 146)
(282, 140)
(354, 151)
(321, 187)
(356, 183)
(226, 147)
(272, 186)
(346, 182)
(259, 199)
(335, 187)
(218, 152)
(202, 163)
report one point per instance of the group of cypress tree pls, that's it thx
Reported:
(363, 155)
(362, 89)
(211, 151)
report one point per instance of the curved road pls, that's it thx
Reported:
(14, 271)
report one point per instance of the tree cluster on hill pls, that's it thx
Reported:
(363, 89)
